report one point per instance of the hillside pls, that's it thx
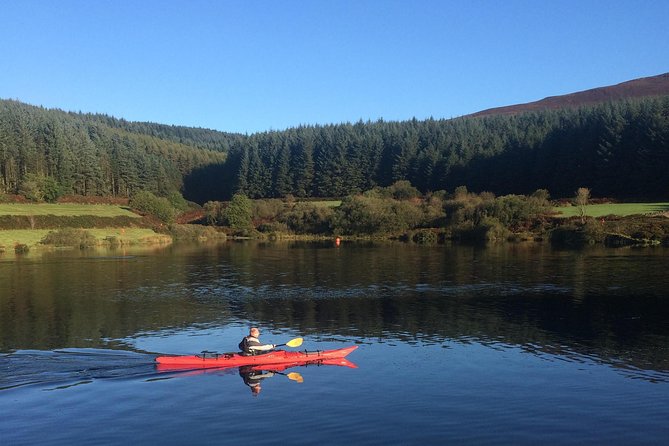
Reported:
(615, 143)
(637, 88)
(191, 136)
(96, 155)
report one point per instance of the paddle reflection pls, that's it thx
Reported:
(254, 375)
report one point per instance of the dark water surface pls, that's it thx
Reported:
(508, 344)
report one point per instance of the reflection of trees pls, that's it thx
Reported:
(606, 305)
(624, 329)
(66, 302)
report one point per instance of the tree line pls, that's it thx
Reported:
(617, 149)
(46, 153)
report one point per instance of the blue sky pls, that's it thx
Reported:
(248, 66)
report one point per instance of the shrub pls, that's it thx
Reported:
(307, 218)
(542, 196)
(21, 248)
(160, 207)
(213, 211)
(113, 241)
(273, 227)
(576, 236)
(489, 229)
(424, 237)
(30, 189)
(41, 188)
(460, 193)
(433, 214)
(264, 210)
(403, 190)
(70, 237)
(364, 215)
(238, 213)
(178, 202)
(512, 210)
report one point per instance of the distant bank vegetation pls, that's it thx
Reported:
(400, 211)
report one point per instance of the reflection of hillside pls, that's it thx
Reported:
(601, 304)
(633, 335)
(64, 301)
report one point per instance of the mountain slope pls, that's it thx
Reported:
(637, 88)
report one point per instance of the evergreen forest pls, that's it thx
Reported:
(617, 149)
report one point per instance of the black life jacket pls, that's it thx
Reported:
(245, 348)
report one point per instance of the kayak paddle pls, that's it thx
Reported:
(292, 343)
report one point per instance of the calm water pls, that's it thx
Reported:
(464, 345)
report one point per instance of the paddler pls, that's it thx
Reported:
(251, 344)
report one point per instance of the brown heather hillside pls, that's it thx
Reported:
(646, 86)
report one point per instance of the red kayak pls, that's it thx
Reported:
(208, 359)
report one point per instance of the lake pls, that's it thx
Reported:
(505, 344)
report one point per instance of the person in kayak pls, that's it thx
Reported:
(251, 344)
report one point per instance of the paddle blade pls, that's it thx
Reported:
(295, 377)
(295, 342)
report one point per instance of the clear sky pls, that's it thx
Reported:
(248, 66)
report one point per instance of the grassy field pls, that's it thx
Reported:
(125, 236)
(31, 237)
(621, 209)
(65, 209)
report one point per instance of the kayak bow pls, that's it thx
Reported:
(207, 359)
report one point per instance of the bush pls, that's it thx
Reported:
(512, 210)
(70, 237)
(160, 207)
(364, 215)
(238, 213)
(489, 229)
(264, 210)
(403, 190)
(424, 237)
(213, 211)
(21, 248)
(30, 189)
(113, 241)
(178, 202)
(433, 214)
(273, 227)
(307, 218)
(577, 236)
(40, 188)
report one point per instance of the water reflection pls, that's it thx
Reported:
(605, 304)
(64, 369)
(253, 378)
